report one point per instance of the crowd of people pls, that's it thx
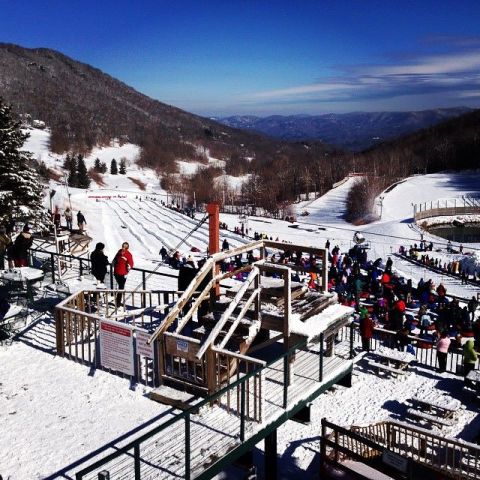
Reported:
(382, 298)
(452, 267)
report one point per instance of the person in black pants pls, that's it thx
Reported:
(99, 264)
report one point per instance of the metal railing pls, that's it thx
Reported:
(52, 261)
(134, 460)
(425, 350)
(446, 208)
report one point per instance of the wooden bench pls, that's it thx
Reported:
(386, 368)
(445, 410)
(440, 421)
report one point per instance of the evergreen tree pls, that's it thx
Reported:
(103, 167)
(72, 173)
(113, 167)
(20, 187)
(97, 165)
(123, 167)
(83, 180)
(67, 163)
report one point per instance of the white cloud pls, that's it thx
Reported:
(454, 74)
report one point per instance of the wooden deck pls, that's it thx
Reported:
(215, 433)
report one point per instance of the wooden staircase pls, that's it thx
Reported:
(205, 348)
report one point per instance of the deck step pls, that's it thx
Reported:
(174, 397)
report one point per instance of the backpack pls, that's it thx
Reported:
(115, 261)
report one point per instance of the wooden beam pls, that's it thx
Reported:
(233, 304)
(203, 296)
(182, 301)
(242, 313)
(244, 358)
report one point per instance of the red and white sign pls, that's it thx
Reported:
(116, 346)
(143, 348)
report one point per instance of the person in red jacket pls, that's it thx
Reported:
(366, 331)
(123, 263)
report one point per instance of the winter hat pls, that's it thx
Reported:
(26, 228)
(99, 246)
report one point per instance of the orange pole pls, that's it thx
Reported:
(213, 211)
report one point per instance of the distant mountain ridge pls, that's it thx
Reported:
(353, 131)
(84, 107)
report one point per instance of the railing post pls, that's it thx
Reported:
(81, 266)
(187, 446)
(286, 379)
(111, 277)
(320, 364)
(136, 456)
(323, 447)
(352, 333)
(144, 280)
(242, 412)
(52, 265)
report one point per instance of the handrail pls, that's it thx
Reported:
(226, 315)
(210, 265)
(381, 435)
(239, 356)
(181, 302)
(87, 259)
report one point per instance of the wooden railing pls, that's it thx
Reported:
(452, 458)
(78, 320)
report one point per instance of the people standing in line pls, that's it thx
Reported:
(443, 345)
(68, 218)
(472, 307)
(469, 359)
(5, 242)
(99, 264)
(123, 263)
(81, 221)
(22, 244)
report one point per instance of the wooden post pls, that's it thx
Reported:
(211, 371)
(160, 351)
(213, 210)
(60, 332)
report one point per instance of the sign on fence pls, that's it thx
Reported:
(182, 346)
(116, 346)
(394, 460)
(143, 348)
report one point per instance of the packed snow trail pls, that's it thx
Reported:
(329, 208)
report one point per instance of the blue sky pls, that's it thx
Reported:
(268, 57)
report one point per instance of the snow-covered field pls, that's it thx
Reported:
(54, 412)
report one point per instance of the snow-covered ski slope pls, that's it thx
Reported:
(53, 412)
(329, 208)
